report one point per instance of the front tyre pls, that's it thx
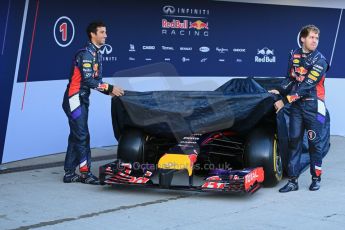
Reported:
(261, 149)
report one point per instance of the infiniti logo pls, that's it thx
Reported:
(169, 9)
(106, 48)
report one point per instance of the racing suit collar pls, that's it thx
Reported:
(309, 55)
(93, 47)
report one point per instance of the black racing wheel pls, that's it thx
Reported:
(261, 149)
(131, 146)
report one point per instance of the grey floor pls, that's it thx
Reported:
(35, 198)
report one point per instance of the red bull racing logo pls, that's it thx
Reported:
(198, 25)
(185, 27)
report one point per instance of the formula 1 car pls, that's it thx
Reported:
(224, 140)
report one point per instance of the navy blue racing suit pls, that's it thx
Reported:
(304, 89)
(86, 74)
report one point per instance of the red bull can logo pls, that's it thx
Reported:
(301, 70)
(198, 25)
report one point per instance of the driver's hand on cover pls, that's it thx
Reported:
(278, 105)
(274, 91)
(117, 91)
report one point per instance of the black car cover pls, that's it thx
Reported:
(238, 105)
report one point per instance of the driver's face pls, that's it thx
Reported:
(311, 42)
(100, 36)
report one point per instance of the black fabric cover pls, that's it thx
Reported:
(238, 105)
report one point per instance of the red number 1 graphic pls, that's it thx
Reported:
(63, 30)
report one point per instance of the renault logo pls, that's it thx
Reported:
(169, 9)
(106, 48)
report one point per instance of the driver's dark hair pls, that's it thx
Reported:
(306, 30)
(92, 28)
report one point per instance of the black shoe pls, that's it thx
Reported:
(71, 177)
(89, 178)
(315, 184)
(292, 185)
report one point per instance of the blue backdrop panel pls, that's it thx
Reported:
(338, 68)
(199, 38)
(11, 13)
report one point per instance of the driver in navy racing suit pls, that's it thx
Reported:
(304, 90)
(86, 75)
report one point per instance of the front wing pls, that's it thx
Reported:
(247, 180)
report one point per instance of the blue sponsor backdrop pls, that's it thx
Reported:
(200, 38)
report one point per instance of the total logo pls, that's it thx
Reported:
(251, 176)
(168, 48)
(265, 55)
(204, 49)
(105, 50)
